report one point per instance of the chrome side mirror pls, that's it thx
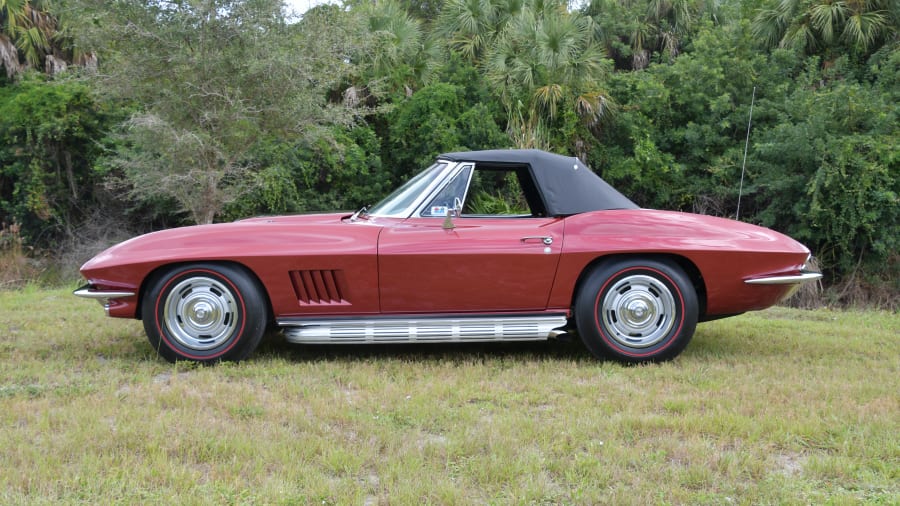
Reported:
(451, 213)
(457, 206)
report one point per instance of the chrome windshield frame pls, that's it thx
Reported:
(448, 178)
(442, 175)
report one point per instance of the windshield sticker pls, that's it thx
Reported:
(439, 210)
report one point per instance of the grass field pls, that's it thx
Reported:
(777, 407)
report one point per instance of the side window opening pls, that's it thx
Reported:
(489, 191)
(503, 191)
(496, 192)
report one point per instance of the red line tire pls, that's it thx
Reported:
(636, 310)
(204, 313)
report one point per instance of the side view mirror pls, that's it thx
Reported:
(456, 211)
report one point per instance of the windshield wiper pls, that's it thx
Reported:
(358, 214)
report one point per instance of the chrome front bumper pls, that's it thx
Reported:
(103, 297)
(786, 280)
(809, 271)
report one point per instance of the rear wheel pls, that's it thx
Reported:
(636, 310)
(204, 313)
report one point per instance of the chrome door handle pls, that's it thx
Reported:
(544, 239)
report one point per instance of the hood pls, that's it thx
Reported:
(223, 240)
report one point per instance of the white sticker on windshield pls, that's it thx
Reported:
(439, 210)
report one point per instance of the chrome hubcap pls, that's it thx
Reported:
(200, 313)
(638, 311)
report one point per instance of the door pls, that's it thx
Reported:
(483, 264)
(499, 255)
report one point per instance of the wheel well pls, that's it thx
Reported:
(685, 264)
(162, 270)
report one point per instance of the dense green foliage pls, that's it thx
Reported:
(219, 109)
(49, 133)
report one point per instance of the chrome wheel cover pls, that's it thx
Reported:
(200, 313)
(638, 311)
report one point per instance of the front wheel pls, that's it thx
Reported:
(204, 313)
(636, 310)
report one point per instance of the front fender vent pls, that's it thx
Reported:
(316, 288)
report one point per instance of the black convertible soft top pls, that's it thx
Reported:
(566, 185)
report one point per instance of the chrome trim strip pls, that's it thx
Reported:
(423, 329)
(786, 280)
(89, 293)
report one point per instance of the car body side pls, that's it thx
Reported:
(719, 255)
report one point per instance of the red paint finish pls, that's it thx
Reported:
(269, 247)
(725, 252)
(415, 266)
(483, 264)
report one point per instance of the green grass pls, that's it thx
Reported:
(778, 407)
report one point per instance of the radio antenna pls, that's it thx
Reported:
(737, 214)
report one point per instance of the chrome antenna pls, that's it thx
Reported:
(737, 213)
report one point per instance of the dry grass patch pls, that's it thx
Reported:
(783, 406)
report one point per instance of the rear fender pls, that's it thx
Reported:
(686, 265)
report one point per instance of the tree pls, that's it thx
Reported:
(211, 79)
(469, 26)
(828, 172)
(546, 68)
(48, 145)
(340, 169)
(26, 28)
(439, 118)
(634, 30)
(396, 56)
(31, 36)
(812, 26)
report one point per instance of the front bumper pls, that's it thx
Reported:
(809, 271)
(803, 277)
(101, 296)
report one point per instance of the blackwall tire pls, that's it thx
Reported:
(636, 310)
(205, 313)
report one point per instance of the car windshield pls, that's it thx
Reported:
(400, 202)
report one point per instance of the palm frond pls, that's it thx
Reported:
(863, 29)
(769, 26)
(547, 99)
(827, 18)
(800, 36)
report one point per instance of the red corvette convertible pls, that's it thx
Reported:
(504, 245)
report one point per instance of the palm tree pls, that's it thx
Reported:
(647, 26)
(544, 62)
(470, 26)
(400, 57)
(821, 25)
(26, 32)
